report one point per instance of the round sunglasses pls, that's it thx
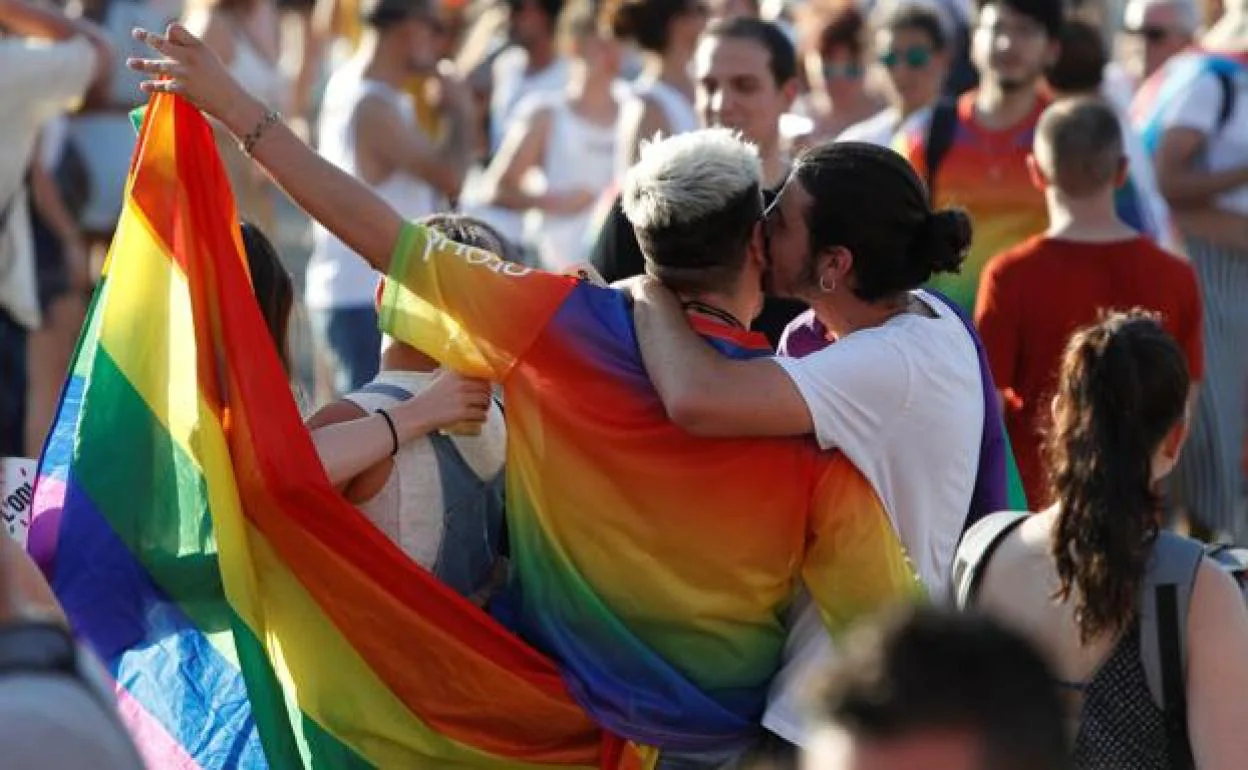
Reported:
(915, 57)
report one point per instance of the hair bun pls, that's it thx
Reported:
(945, 239)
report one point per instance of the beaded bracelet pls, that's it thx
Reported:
(271, 118)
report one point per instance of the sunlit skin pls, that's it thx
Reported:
(736, 89)
(835, 749)
(912, 87)
(1010, 49)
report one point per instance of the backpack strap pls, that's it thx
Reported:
(976, 548)
(940, 134)
(1165, 600)
(1227, 83)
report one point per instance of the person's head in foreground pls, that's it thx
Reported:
(1078, 151)
(1014, 41)
(924, 688)
(695, 200)
(1120, 418)
(853, 226)
(405, 31)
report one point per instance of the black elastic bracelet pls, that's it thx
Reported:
(394, 433)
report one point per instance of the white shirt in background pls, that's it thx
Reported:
(1226, 147)
(337, 277)
(883, 127)
(904, 402)
(39, 80)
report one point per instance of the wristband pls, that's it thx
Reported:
(394, 433)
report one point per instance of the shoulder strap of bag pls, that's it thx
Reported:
(1227, 83)
(1165, 598)
(975, 550)
(940, 134)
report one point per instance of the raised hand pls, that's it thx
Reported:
(191, 69)
(450, 400)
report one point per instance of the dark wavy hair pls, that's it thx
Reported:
(869, 200)
(274, 290)
(645, 22)
(1123, 386)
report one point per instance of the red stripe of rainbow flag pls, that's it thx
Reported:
(249, 614)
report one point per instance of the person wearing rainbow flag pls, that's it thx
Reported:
(656, 568)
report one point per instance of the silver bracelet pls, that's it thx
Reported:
(271, 118)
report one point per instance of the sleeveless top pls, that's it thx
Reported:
(337, 277)
(443, 501)
(261, 78)
(677, 109)
(580, 155)
(1120, 726)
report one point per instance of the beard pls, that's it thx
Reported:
(1012, 85)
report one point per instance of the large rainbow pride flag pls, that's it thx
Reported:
(249, 615)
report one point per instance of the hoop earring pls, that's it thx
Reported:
(823, 287)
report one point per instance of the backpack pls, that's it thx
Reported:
(1165, 598)
(941, 130)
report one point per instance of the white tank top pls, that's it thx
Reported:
(677, 110)
(580, 155)
(410, 507)
(260, 77)
(338, 277)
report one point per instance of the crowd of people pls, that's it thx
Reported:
(999, 251)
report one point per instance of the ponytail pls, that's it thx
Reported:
(1123, 387)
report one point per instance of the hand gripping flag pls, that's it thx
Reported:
(249, 615)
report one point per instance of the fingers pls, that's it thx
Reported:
(166, 67)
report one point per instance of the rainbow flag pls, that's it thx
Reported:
(249, 615)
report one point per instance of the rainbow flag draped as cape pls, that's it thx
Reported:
(249, 615)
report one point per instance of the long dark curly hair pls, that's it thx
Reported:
(1123, 387)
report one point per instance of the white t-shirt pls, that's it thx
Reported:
(1226, 147)
(904, 402)
(882, 127)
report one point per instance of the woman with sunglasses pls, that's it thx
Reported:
(835, 64)
(912, 47)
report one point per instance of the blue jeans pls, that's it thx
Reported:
(353, 341)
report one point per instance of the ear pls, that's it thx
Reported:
(840, 262)
(756, 248)
(1036, 174)
(1051, 53)
(1176, 437)
(788, 93)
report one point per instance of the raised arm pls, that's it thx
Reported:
(27, 19)
(344, 205)
(704, 392)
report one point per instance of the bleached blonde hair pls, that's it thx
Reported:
(687, 177)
